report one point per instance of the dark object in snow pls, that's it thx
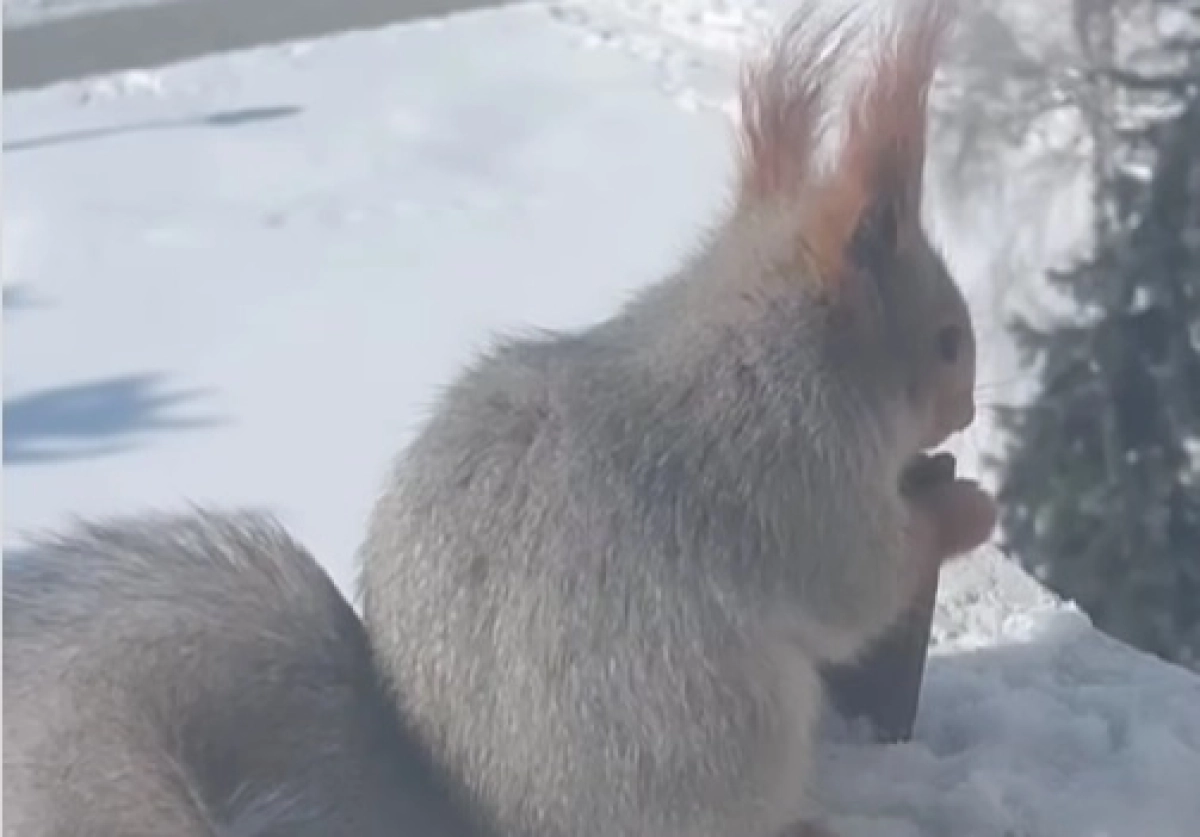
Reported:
(884, 687)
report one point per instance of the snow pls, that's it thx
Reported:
(1032, 724)
(241, 280)
(276, 257)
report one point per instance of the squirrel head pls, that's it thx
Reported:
(847, 238)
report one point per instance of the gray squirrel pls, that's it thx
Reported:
(605, 574)
(599, 584)
(604, 577)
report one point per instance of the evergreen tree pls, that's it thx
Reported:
(1100, 489)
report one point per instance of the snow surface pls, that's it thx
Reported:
(241, 280)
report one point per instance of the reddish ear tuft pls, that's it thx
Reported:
(781, 107)
(879, 171)
(885, 138)
(871, 200)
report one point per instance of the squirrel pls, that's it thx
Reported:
(599, 585)
(603, 578)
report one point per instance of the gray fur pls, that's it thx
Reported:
(612, 561)
(602, 578)
(196, 674)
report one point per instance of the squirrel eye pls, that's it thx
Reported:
(949, 343)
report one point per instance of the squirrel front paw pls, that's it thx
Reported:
(949, 515)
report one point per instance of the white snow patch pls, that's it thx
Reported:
(691, 44)
(1032, 724)
(276, 258)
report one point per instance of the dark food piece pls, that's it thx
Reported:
(884, 686)
(927, 471)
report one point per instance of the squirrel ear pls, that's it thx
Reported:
(869, 202)
(876, 238)
(781, 107)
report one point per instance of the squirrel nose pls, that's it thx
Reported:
(953, 415)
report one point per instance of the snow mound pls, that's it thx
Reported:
(1031, 723)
